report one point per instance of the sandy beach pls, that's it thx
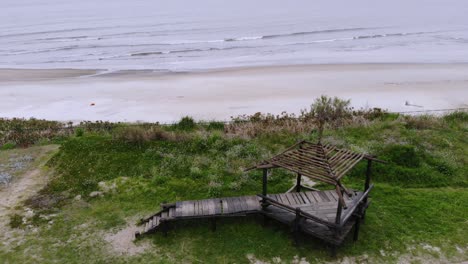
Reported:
(69, 95)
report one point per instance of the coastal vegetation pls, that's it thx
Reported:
(106, 176)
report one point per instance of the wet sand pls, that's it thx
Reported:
(68, 94)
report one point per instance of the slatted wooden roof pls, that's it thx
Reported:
(325, 163)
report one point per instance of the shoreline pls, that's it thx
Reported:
(95, 72)
(218, 94)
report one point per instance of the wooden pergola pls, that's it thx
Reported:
(324, 163)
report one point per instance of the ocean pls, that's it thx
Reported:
(207, 34)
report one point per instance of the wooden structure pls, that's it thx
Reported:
(328, 215)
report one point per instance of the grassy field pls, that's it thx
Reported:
(104, 182)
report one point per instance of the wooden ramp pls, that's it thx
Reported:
(207, 208)
(321, 204)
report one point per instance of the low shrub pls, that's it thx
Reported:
(79, 132)
(214, 125)
(422, 122)
(457, 116)
(186, 124)
(8, 145)
(16, 221)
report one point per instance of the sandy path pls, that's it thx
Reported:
(220, 94)
(29, 182)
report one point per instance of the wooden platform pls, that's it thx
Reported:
(322, 204)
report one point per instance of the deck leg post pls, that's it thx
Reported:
(298, 182)
(264, 187)
(165, 228)
(356, 229)
(296, 226)
(265, 220)
(213, 224)
(333, 251)
(366, 187)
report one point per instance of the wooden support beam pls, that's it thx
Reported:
(298, 182)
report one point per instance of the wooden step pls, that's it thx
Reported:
(171, 212)
(164, 215)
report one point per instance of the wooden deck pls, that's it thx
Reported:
(322, 204)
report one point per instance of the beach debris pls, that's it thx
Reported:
(407, 103)
(95, 194)
(92, 104)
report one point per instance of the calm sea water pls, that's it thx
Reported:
(203, 34)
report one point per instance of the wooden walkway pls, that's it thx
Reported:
(322, 204)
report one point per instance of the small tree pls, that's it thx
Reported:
(329, 110)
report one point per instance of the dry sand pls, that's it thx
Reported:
(67, 94)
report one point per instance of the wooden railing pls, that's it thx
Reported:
(350, 212)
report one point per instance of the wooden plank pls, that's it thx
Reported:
(311, 197)
(317, 197)
(285, 199)
(334, 195)
(234, 206)
(329, 196)
(253, 203)
(281, 200)
(324, 196)
(300, 198)
(226, 207)
(218, 209)
(291, 199)
(198, 207)
(242, 203)
(177, 210)
(291, 196)
(204, 207)
(305, 198)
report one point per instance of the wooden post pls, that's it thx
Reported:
(366, 186)
(296, 227)
(338, 213)
(165, 228)
(213, 224)
(333, 251)
(339, 207)
(264, 191)
(368, 175)
(265, 181)
(298, 182)
(356, 229)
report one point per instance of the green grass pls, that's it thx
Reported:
(419, 198)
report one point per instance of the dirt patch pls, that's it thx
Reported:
(123, 242)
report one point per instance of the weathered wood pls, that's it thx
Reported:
(339, 207)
